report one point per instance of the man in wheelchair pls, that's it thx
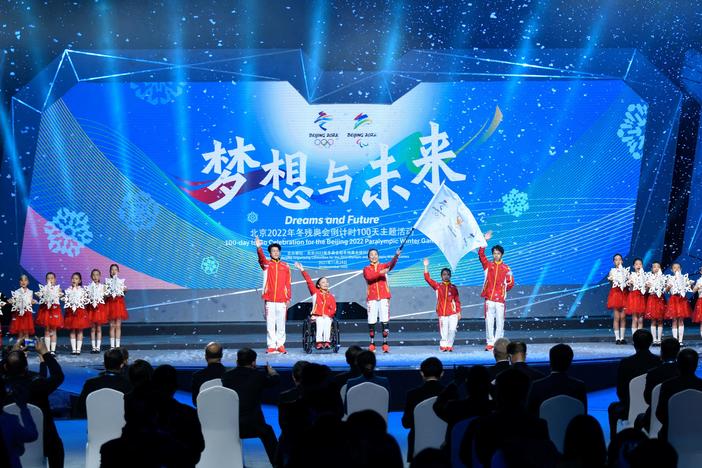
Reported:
(323, 309)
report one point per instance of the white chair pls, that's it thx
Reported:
(105, 411)
(558, 411)
(343, 393)
(368, 396)
(655, 425)
(218, 411)
(429, 429)
(457, 434)
(637, 404)
(210, 383)
(684, 430)
(34, 451)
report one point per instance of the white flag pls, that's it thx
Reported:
(449, 223)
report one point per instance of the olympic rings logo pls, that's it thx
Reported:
(324, 142)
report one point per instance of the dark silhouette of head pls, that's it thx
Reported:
(140, 373)
(165, 380)
(560, 357)
(213, 352)
(643, 339)
(246, 357)
(584, 442)
(113, 359)
(670, 347)
(512, 387)
(297, 369)
(517, 351)
(653, 452)
(16, 363)
(687, 361)
(351, 355)
(478, 382)
(365, 361)
(431, 368)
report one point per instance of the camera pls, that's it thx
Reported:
(30, 344)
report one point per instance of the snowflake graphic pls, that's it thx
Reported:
(209, 265)
(138, 211)
(515, 202)
(156, 93)
(632, 130)
(68, 232)
(252, 217)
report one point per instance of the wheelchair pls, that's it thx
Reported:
(309, 334)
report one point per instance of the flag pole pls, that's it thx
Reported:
(408, 235)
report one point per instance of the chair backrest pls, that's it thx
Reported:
(637, 404)
(218, 411)
(343, 393)
(684, 429)
(429, 429)
(105, 411)
(210, 383)
(655, 424)
(558, 411)
(457, 433)
(34, 451)
(368, 395)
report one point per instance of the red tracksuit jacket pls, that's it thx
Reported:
(276, 278)
(377, 282)
(323, 303)
(498, 279)
(447, 300)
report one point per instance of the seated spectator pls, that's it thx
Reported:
(351, 354)
(369, 444)
(431, 458)
(670, 347)
(140, 373)
(621, 445)
(558, 382)
(365, 361)
(584, 444)
(630, 367)
(517, 351)
(510, 429)
(687, 365)
(431, 371)
(501, 358)
(653, 453)
(35, 389)
(15, 433)
(214, 370)
(451, 409)
(293, 394)
(249, 383)
(111, 377)
(125, 361)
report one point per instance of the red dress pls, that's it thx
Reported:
(22, 323)
(635, 303)
(697, 316)
(50, 317)
(678, 307)
(616, 299)
(76, 320)
(655, 307)
(116, 309)
(97, 315)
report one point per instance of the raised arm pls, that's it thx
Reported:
(310, 284)
(510, 279)
(427, 278)
(391, 264)
(262, 260)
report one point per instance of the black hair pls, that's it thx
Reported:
(245, 357)
(431, 367)
(584, 441)
(351, 355)
(23, 276)
(49, 273)
(365, 361)
(499, 248)
(215, 352)
(687, 361)
(94, 270)
(274, 244)
(371, 250)
(643, 339)
(297, 369)
(478, 381)
(113, 359)
(140, 372)
(448, 270)
(516, 347)
(125, 353)
(165, 379)
(637, 259)
(617, 255)
(670, 347)
(512, 387)
(318, 280)
(16, 363)
(110, 270)
(80, 277)
(560, 357)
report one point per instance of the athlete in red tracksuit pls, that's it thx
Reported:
(448, 306)
(276, 295)
(323, 307)
(378, 295)
(498, 280)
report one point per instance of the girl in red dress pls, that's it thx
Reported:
(697, 316)
(678, 286)
(75, 299)
(116, 309)
(616, 299)
(636, 299)
(49, 315)
(97, 310)
(22, 300)
(655, 301)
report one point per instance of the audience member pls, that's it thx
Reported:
(670, 347)
(630, 367)
(584, 445)
(351, 354)
(111, 377)
(15, 433)
(35, 389)
(125, 361)
(501, 358)
(431, 458)
(365, 361)
(653, 453)
(214, 370)
(431, 371)
(249, 383)
(368, 442)
(687, 365)
(517, 351)
(451, 409)
(288, 396)
(621, 445)
(558, 382)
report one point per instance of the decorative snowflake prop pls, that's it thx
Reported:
(632, 130)
(2, 304)
(138, 211)
(656, 283)
(515, 202)
(619, 276)
(49, 295)
(96, 293)
(68, 232)
(252, 217)
(157, 93)
(114, 287)
(76, 298)
(638, 281)
(21, 301)
(210, 265)
(679, 284)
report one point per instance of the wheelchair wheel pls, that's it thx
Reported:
(308, 335)
(335, 336)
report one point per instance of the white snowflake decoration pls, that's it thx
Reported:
(138, 211)
(252, 217)
(21, 301)
(516, 203)
(632, 130)
(76, 298)
(156, 93)
(68, 232)
(618, 277)
(49, 295)
(96, 293)
(210, 265)
(114, 287)
(2, 304)
(679, 284)
(656, 283)
(638, 281)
